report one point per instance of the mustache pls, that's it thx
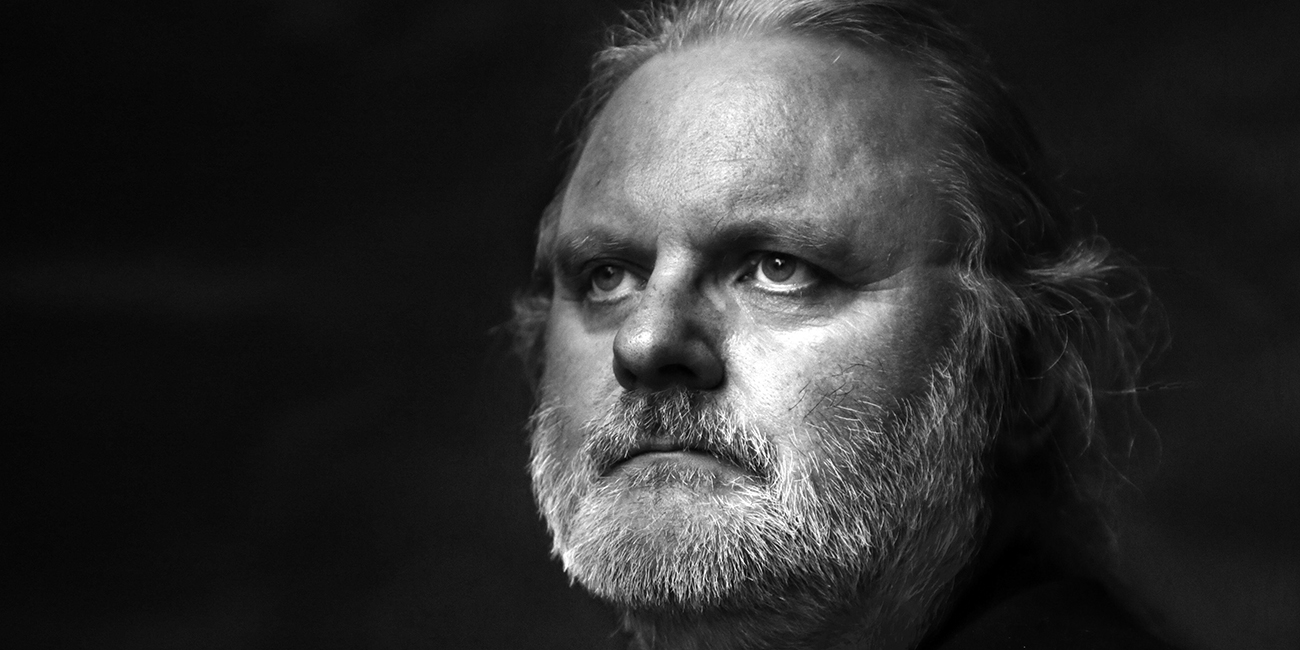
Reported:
(677, 419)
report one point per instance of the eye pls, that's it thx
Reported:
(779, 272)
(607, 282)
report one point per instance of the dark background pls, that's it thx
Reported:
(253, 254)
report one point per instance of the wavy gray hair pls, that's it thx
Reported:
(1054, 317)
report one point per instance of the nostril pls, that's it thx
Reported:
(677, 372)
(674, 374)
(626, 378)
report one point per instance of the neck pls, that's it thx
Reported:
(870, 624)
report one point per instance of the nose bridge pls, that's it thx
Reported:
(671, 335)
(671, 294)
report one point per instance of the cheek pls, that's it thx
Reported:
(578, 372)
(877, 355)
(556, 447)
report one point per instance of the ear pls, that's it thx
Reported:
(527, 328)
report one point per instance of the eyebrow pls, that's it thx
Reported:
(806, 235)
(568, 251)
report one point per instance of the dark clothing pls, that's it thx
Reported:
(1064, 615)
(1020, 604)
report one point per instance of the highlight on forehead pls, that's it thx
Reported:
(769, 129)
(797, 85)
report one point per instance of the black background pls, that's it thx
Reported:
(253, 254)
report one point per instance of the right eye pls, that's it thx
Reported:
(608, 282)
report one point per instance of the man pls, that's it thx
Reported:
(820, 362)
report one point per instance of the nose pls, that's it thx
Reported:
(670, 339)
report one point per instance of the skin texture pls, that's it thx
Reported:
(708, 156)
(751, 221)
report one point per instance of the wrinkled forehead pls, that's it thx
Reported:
(805, 88)
(769, 120)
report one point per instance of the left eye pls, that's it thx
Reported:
(779, 271)
(610, 282)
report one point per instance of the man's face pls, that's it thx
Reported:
(752, 314)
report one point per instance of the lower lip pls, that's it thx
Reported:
(682, 459)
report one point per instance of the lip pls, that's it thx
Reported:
(665, 451)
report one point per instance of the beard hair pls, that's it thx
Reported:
(884, 506)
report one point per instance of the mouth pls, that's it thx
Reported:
(682, 455)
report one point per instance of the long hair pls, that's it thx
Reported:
(1051, 317)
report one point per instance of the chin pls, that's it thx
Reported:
(690, 546)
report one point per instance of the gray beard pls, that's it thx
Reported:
(880, 513)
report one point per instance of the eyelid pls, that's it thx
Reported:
(584, 278)
(753, 264)
(590, 266)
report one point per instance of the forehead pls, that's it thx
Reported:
(814, 131)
